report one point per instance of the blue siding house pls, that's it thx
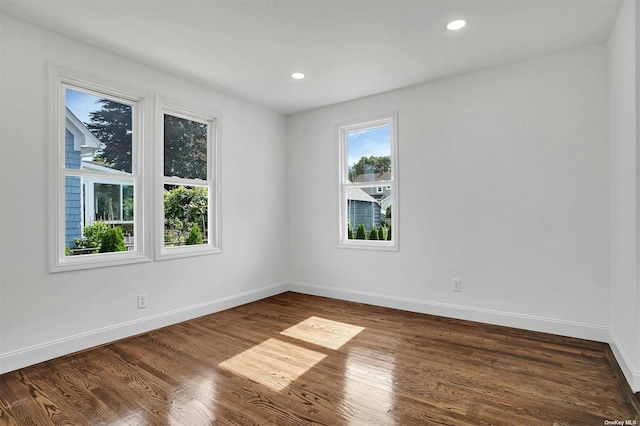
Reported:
(363, 209)
(79, 143)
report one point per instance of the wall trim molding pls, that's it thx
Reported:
(630, 395)
(506, 319)
(632, 375)
(35, 354)
(25, 357)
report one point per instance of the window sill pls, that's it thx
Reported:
(167, 253)
(369, 245)
(90, 261)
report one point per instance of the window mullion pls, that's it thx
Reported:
(173, 180)
(368, 184)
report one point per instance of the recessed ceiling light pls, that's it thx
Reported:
(297, 75)
(457, 24)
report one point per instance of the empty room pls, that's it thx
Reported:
(310, 212)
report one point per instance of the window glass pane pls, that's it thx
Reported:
(93, 216)
(127, 202)
(185, 148)
(186, 215)
(369, 154)
(98, 133)
(107, 202)
(368, 209)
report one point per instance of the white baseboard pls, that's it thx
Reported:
(42, 352)
(507, 319)
(631, 374)
(32, 355)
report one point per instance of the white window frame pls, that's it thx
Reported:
(59, 81)
(212, 182)
(343, 130)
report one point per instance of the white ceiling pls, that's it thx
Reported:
(348, 49)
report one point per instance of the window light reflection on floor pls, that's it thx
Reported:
(136, 418)
(273, 363)
(323, 332)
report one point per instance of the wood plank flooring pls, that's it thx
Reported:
(294, 359)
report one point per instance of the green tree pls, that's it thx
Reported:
(349, 231)
(389, 233)
(195, 236)
(185, 148)
(185, 141)
(373, 235)
(112, 125)
(388, 213)
(371, 164)
(361, 232)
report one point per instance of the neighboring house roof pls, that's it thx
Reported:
(386, 202)
(372, 177)
(357, 194)
(98, 166)
(83, 140)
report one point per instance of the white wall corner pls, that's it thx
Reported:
(506, 319)
(25, 357)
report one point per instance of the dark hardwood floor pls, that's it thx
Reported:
(294, 359)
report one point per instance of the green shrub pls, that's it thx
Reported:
(373, 235)
(389, 232)
(349, 231)
(361, 232)
(113, 240)
(195, 236)
(92, 235)
(388, 213)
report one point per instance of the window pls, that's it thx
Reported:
(97, 180)
(188, 201)
(369, 184)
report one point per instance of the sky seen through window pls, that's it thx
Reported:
(365, 143)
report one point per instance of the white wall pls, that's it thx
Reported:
(625, 326)
(44, 315)
(503, 184)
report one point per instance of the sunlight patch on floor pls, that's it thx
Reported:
(323, 332)
(273, 363)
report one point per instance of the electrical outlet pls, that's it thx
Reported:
(457, 285)
(142, 301)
